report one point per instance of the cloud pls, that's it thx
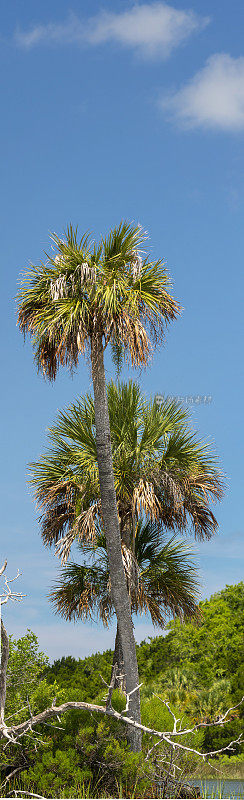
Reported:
(223, 547)
(213, 98)
(151, 29)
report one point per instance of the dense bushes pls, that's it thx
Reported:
(198, 668)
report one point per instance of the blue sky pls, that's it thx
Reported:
(110, 111)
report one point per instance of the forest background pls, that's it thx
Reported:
(197, 668)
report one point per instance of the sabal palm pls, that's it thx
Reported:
(82, 298)
(209, 703)
(179, 686)
(161, 579)
(161, 470)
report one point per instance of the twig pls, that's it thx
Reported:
(111, 688)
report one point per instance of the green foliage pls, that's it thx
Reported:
(57, 774)
(83, 751)
(26, 664)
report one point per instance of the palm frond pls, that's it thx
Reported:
(161, 579)
(82, 591)
(169, 583)
(161, 468)
(117, 354)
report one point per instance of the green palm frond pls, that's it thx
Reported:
(170, 581)
(147, 541)
(85, 288)
(163, 580)
(81, 592)
(117, 354)
(160, 466)
(121, 243)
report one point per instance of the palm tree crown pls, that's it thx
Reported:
(161, 580)
(161, 470)
(85, 290)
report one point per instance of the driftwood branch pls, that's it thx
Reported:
(8, 593)
(14, 732)
(111, 688)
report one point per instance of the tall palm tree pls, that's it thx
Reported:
(161, 580)
(83, 298)
(162, 473)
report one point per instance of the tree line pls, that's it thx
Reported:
(197, 667)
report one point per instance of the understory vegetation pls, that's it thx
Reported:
(83, 754)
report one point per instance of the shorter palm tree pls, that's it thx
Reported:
(179, 686)
(163, 475)
(161, 580)
(161, 471)
(209, 703)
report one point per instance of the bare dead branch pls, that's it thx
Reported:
(3, 567)
(8, 593)
(128, 700)
(220, 721)
(14, 732)
(111, 687)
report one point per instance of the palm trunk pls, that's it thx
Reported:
(119, 592)
(120, 682)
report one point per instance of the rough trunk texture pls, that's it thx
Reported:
(120, 682)
(3, 670)
(119, 592)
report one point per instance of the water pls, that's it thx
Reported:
(233, 789)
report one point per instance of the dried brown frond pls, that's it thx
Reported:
(133, 335)
(131, 570)
(54, 522)
(145, 499)
(63, 547)
(211, 485)
(106, 609)
(172, 490)
(85, 524)
(204, 522)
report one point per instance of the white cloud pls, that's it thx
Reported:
(227, 547)
(214, 98)
(152, 29)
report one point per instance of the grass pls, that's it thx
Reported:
(232, 771)
(83, 793)
(220, 792)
